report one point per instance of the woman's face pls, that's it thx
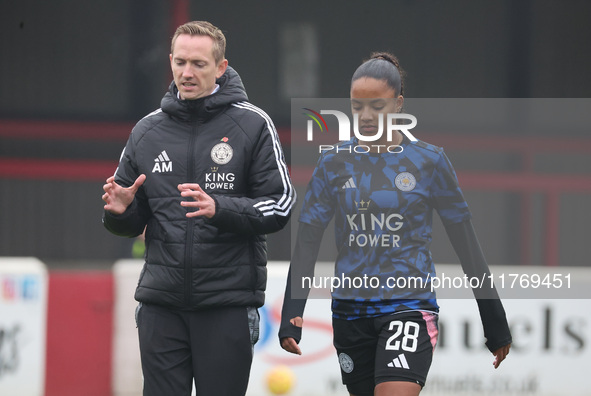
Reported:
(369, 99)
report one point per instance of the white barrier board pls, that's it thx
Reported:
(317, 370)
(551, 353)
(23, 318)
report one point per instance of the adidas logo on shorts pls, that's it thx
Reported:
(399, 362)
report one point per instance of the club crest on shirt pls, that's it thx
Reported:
(405, 181)
(222, 153)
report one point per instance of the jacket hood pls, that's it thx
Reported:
(231, 91)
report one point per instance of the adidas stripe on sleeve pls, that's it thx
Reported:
(282, 206)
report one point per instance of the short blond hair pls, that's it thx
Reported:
(203, 28)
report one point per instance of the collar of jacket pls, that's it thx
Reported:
(231, 91)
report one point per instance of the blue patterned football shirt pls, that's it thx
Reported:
(382, 204)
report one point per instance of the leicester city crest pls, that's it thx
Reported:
(405, 181)
(222, 153)
(346, 363)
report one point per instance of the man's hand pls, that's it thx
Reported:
(501, 354)
(204, 203)
(118, 198)
(288, 343)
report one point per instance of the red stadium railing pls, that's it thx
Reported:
(524, 181)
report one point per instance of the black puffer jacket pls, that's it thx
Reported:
(231, 149)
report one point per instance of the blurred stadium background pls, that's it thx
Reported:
(76, 76)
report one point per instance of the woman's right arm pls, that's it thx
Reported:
(304, 258)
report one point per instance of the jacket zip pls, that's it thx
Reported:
(190, 221)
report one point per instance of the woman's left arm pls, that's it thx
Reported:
(494, 320)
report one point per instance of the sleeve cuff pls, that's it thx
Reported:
(290, 330)
(131, 209)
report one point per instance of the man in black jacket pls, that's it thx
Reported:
(206, 177)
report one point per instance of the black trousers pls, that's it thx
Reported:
(214, 347)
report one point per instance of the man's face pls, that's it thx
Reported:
(194, 67)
